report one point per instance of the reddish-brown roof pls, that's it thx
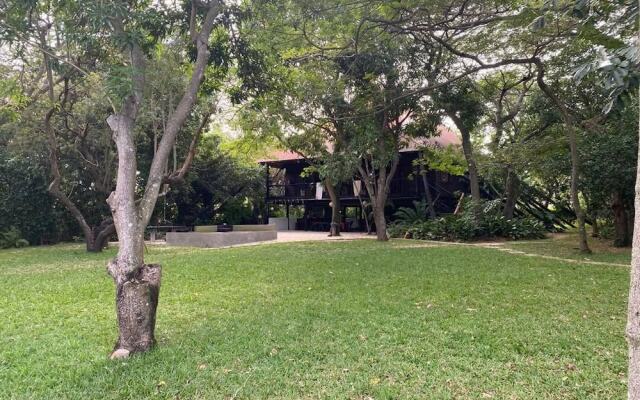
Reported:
(446, 137)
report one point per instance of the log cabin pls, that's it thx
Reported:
(288, 187)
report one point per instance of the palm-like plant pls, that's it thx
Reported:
(408, 215)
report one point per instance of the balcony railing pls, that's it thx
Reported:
(294, 191)
(307, 191)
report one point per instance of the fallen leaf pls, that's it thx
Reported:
(571, 367)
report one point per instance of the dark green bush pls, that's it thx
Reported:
(12, 238)
(488, 223)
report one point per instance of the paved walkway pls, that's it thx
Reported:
(306, 236)
(288, 237)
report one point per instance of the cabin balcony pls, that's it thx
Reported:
(400, 188)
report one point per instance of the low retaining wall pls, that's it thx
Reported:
(236, 228)
(218, 239)
(282, 224)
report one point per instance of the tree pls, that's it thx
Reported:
(443, 159)
(137, 283)
(619, 73)
(460, 102)
(220, 188)
(54, 100)
(129, 35)
(505, 94)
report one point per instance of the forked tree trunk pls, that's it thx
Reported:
(336, 217)
(620, 221)
(137, 285)
(378, 190)
(100, 236)
(633, 313)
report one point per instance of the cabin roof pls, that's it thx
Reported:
(445, 138)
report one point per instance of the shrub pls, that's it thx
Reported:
(489, 223)
(12, 238)
(408, 215)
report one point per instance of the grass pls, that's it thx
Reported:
(338, 320)
(566, 246)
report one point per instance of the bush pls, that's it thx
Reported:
(468, 226)
(12, 238)
(408, 215)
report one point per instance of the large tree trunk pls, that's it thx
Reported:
(620, 221)
(381, 222)
(511, 194)
(378, 191)
(378, 188)
(336, 217)
(136, 304)
(633, 313)
(137, 284)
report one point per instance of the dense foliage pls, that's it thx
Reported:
(465, 226)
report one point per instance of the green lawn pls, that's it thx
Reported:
(342, 320)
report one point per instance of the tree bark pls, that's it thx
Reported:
(100, 236)
(620, 218)
(137, 285)
(511, 194)
(378, 184)
(633, 313)
(136, 305)
(336, 217)
(381, 223)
